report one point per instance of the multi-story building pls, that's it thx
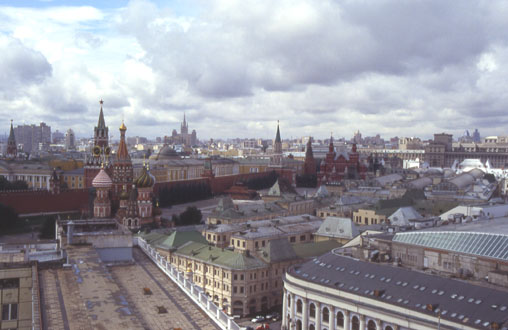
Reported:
(70, 140)
(368, 217)
(227, 212)
(184, 137)
(19, 296)
(33, 138)
(339, 292)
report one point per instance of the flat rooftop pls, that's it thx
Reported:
(91, 295)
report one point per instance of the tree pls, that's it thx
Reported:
(191, 216)
(8, 219)
(490, 177)
(48, 228)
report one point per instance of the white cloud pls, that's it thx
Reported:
(235, 67)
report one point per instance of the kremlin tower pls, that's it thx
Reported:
(12, 149)
(310, 163)
(100, 150)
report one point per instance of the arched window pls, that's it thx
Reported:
(388, 327)
(298, 325)
(326, 315)
(312, 327)
(340, 319)
(355, 323)
(371, 325)
(312, 310)
(299, 306)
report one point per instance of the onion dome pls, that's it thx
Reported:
(145, 180)
(102, 180)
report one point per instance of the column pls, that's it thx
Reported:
(331, 325)
(346, 320)
(284, 307)
(318, 315)
(378, 324)
(305, 314)
(292, 307)
(362, 322)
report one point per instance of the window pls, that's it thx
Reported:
(241, 289)
(302, 238)
(292, 239)
(326, 315)
(256, 244)
(312, 310)
(355, 323)
(9, 312)
(299, 305)
(235, 277)
(371, 325)
(263, 243)
(243, 244)
(340, 319)
(241, 277)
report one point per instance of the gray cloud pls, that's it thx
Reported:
(20, 67)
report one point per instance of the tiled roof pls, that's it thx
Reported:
(220, 257)
(457, 301)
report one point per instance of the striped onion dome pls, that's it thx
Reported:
(145, 179)
(102, 180)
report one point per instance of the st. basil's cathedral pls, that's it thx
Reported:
(116, 189)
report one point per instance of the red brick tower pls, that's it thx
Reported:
(310, 163)
(12, 148)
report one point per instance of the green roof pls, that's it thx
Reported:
(220, 257)
(179, 238)
(173, 240)
(307, 250)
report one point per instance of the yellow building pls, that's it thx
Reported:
(368, 217)
(18, 294)
(73, 179)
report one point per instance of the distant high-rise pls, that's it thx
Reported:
(476, 136)
(33, 138)
(70, 140)
(184, 137)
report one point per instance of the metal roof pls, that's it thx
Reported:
(480, 244)
(456, 301)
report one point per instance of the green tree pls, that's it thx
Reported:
(48, 228)
(9, 219)
(191, 216)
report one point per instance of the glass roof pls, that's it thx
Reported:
(481, 244)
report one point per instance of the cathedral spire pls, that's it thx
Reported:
(277, 136)
(122, 153)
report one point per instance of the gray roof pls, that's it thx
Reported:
(402, 216)
(338, 228)
(480, 244)
(456, 301)
(278, 250)
(388, 179)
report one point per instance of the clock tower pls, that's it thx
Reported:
(100, 150)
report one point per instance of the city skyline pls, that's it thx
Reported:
(235, 68)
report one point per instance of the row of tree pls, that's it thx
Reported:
(306, 180)
(15, 185)
(191, 216)
(184, 193)
(262, 182)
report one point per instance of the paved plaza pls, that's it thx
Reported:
(90, 295)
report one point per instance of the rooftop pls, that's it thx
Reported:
(454, 300)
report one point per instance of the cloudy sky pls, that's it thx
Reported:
(405, 68)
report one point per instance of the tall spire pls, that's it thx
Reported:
(277, 136)
(11, 143)
(184, 121)
(101, 123)
(331, 147)
(122, 153)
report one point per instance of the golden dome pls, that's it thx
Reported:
(123, 127)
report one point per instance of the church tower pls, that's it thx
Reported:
(102, 204)
(276, 158)
(12, 149)
(184, 127)
(122, 168)
(310, 163)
